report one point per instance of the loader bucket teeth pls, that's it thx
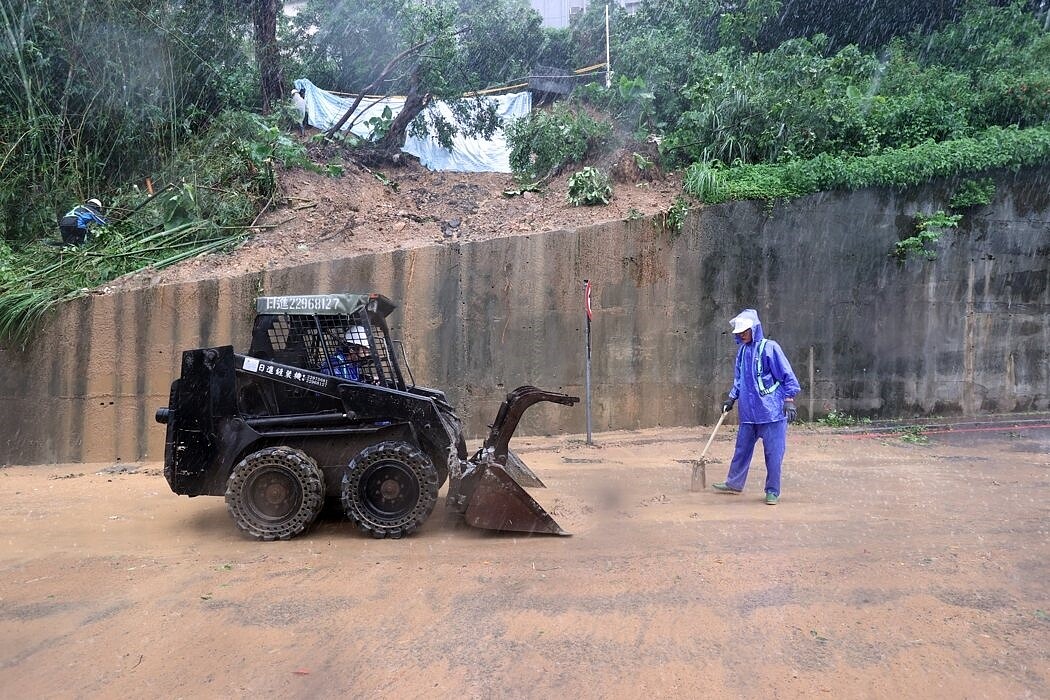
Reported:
(498, 503)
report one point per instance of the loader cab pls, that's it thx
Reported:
(315, 333)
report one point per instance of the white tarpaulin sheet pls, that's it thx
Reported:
(468, 155)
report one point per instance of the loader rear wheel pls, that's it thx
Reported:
(390, 489)
(275, 493)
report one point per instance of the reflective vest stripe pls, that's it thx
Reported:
(762, 387)
(763, 390)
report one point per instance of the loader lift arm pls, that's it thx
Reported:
(510, 413)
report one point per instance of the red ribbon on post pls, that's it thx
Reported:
(587, 344)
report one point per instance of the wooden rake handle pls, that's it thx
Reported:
(711, 439)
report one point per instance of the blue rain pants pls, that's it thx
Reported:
(774, 440)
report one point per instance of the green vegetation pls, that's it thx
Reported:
(588, 187)
(973, 193)
(675, 217)
(806, 97)
(545, 142)
(766, 114)
(641, 162)
(841, 419)
(993, 148)
(913, 435)
(224, 178)
(929, 228)
(629, 103)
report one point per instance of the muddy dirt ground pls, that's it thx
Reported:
(889, 569)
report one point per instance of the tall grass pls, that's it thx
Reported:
(222, 181)
(41, 276)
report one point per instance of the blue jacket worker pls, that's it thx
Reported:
(74, 225)
(345, 363)
(766, 387)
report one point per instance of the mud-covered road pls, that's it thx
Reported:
(889, 569)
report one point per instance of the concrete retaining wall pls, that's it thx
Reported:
(967, 333)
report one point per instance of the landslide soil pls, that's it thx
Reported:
(366, 210)
(889, 569)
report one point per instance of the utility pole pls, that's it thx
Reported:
(608, 67)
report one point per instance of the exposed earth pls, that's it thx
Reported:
(889, 569)
(368, 210)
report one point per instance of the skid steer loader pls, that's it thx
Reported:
(321, 407)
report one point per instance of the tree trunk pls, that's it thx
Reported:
(266, 53)
(415, 102)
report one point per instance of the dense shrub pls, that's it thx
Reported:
(903, 167)
(543, 142)
(805, 96)
(223, 178)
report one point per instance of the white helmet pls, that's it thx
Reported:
(356, 335)
(95, 203)
(748, 318)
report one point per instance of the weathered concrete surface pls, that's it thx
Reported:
(967, 333)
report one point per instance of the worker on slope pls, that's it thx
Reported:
(76, 224)
(299, 108)
(766, 387)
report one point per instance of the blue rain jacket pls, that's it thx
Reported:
(761, 382)
(85, 215)
(342, 367)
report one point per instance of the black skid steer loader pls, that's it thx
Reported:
(319, 406)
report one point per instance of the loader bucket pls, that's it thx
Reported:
(490, 489)
(498, 503)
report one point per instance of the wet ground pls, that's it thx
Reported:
(896, 565)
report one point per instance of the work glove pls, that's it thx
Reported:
(790, 411)
(727, 406)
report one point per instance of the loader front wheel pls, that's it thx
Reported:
(390, 489)
(275, 493)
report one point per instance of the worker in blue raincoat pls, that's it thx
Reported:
(765, 386)
(345, 363)
(75, 225)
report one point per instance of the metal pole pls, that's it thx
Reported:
(587, 337)
(608, 68)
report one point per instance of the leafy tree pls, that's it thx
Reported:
(659, 44)
(741, 27)
(344, 45)
(426, 51)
